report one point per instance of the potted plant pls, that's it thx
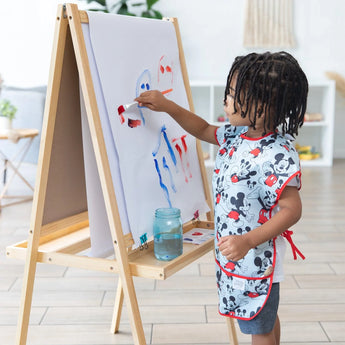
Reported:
(144, 9)
(7, 114)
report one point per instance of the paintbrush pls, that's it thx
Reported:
(122, 108)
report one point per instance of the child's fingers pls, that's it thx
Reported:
(152, 99)
(221, 241)
(142, 97)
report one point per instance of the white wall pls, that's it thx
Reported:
(211, 34)
(26, 32)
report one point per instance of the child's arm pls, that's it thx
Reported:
(235, 247)
(189, 121)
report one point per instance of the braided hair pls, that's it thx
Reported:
(269, 84)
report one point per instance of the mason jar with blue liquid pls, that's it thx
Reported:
(167, 233)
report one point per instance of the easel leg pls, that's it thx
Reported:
(232, 331)
(27, 292)
(117, 308)
(43, 166)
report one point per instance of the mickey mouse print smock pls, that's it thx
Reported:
(249, 176)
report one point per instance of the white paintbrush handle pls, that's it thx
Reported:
(130, 105)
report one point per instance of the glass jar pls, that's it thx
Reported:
(167, 233)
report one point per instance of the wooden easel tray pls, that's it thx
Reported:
(60, 246)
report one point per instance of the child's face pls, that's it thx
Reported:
(235, 118)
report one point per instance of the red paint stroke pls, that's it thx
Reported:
(179, 150)
(122, 119)
(166, 91)
(184, 144)
(184, 153)
(121, 109)
(133, 123)
(162, 70)
(196, 233)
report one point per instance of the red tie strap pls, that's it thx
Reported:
(287, 234)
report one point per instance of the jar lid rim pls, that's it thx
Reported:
(168, 211)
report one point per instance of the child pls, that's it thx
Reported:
(255, 183)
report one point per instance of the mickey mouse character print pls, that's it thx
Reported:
(249, 177)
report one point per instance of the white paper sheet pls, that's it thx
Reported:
(157, 158)
(101, 241)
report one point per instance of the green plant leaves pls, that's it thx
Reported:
(121, 7)
(150, 3)
(158, 15)
(7, 109)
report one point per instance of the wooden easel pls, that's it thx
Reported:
(58, 231)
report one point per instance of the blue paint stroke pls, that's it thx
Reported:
(143, 84)
(163, 186)
(171, 151)
(166, 166)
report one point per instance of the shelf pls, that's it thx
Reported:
(315, 124)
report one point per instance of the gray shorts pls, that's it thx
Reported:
(264, 322)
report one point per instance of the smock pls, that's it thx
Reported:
(249, 177)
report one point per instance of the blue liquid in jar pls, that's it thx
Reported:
(167, 232)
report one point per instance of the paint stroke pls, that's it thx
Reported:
(122, 119)
(163, 186)
(166, 167)
(185, 147)
(179, 150)
(143, 84)
(170, 149)
(133, 123)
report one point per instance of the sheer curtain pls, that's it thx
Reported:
(268, 23)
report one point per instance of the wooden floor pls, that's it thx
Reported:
(74, 307)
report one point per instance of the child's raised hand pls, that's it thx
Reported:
(153, 100)
(233, 247)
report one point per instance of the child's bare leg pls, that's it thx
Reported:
(264, 339)
(276, 331)
(272, 338)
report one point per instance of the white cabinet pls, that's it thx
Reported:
(319, 134)
(208, 99)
